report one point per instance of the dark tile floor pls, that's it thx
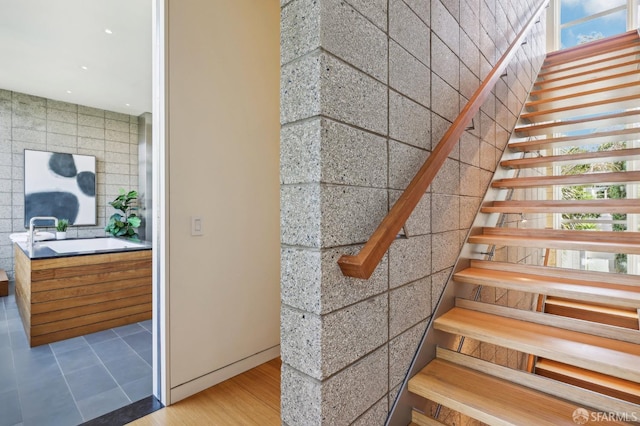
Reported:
(69, 382)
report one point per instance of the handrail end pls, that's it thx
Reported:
(351, 266)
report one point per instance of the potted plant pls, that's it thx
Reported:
(124, 224)
(61, 229)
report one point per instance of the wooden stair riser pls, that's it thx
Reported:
(420, 419)
(587, 385)
(600, 383)
(615, 316)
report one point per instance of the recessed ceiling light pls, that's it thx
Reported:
(69, 91)
(84, 67)
(108, 31)
(127, 105)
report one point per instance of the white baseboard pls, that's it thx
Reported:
(201, 383)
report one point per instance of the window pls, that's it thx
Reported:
(582, 21)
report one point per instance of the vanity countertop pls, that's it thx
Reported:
(42, 249)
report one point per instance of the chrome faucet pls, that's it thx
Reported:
(32, 225)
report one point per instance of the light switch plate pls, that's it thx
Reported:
(196, 226)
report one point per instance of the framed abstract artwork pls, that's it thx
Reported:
(60, 185)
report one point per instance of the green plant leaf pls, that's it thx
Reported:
(62, 225)
(123, 224)
(134, 221)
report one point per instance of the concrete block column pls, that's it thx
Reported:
(334, 192)
(367, 89)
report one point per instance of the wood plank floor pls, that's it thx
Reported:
(251, 398)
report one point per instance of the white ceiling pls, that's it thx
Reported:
(45, 43)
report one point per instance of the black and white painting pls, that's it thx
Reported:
(60, 185)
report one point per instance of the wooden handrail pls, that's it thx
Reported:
(365, 262)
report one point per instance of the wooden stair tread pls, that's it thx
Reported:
(581, 290)
(582, 109)
(581, 179)
(591, 49)
(465, 390)
(562, 273)
(587, 236)
(540, 383)
(622, 64)
(611, 55)
(595, 81)
(594, 122)
(597, 241)
(595, 326)
(613, 357)
(620, 206)
(608, 58)
(577, 140)
(568, 159)
(631, 389)
(575, 97)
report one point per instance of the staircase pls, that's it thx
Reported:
(584, 342)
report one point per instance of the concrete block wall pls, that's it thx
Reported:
(368, 88)
(30, 122)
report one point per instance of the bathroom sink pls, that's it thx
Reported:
(22, 237)
(91, 244)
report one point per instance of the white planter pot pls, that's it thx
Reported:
(61, 235)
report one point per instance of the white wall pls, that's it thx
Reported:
(222, 121)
